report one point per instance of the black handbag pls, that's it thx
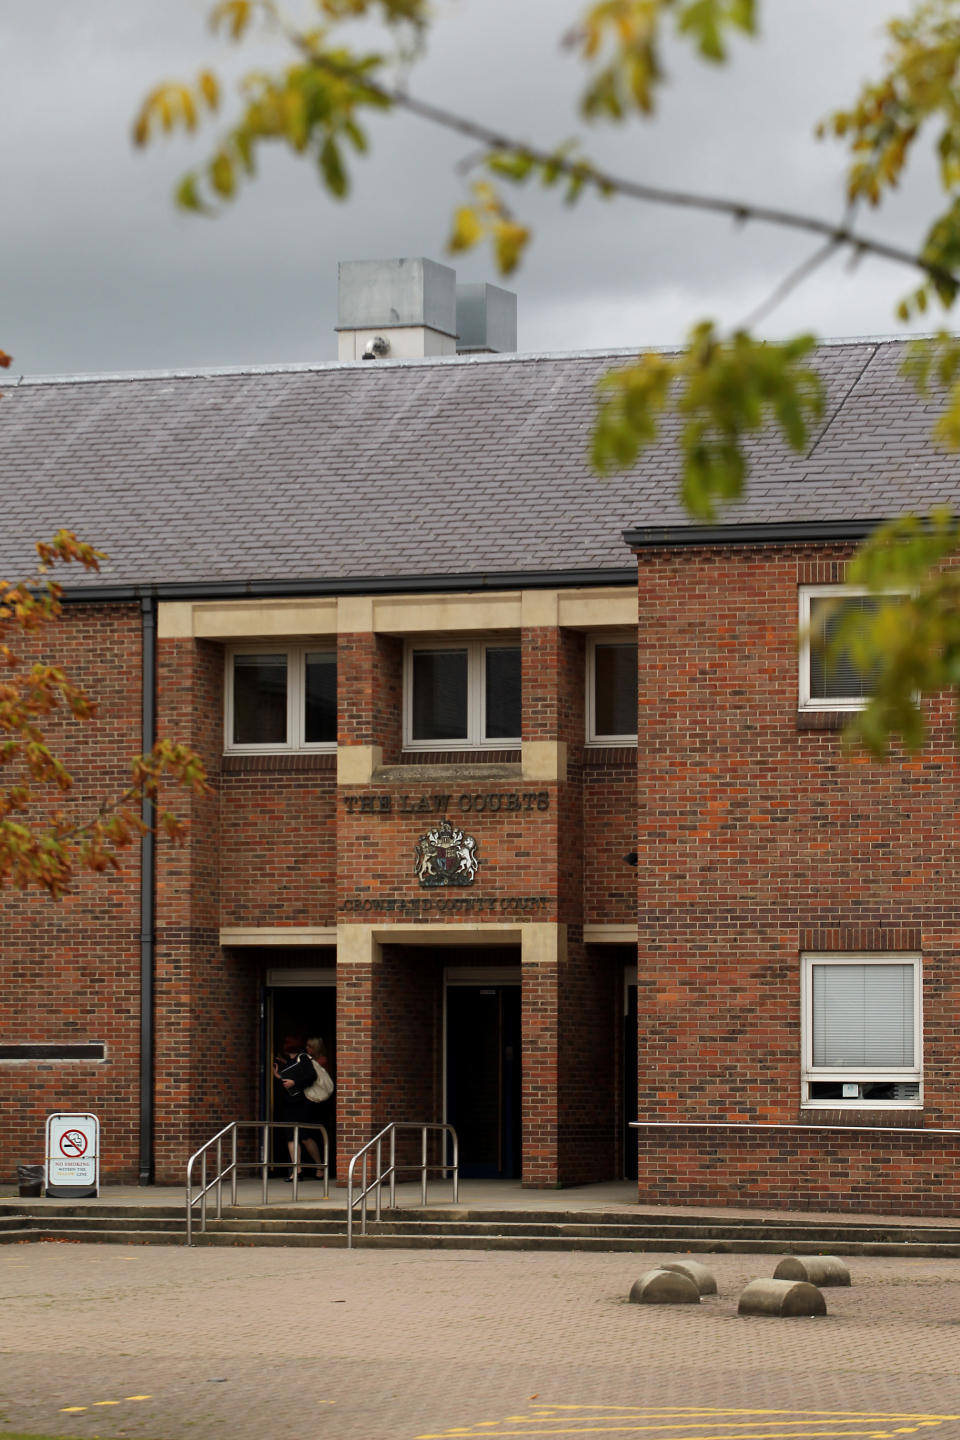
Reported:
(301, 1072)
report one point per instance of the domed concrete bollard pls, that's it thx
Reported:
(664, 1287)
(817, 1269)
(699, 1274)
(781, 1297)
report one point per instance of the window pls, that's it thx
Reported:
(830, 682)
(611, 690)
(861, 1030)
(57, 1050)
(464, 694)
(281, 698)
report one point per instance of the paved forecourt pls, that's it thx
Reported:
(167, 1343)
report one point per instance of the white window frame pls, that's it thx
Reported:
(592, 738)
(892, 1074)
(476, 648)
(296, 695)
(835, 592)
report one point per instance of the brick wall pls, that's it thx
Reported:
(591, 990)
(276, 844)
(609, 835)
(278, 841)
(205, 997)
(759, 837)
(389, 1044)
(69, 970)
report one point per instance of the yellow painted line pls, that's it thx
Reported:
(750, 1427)
(651, 1411)
(698, 1419)
(106, 1402)
(612, 1422)
(72, 1409)
(643, 1429)
(138, 1397)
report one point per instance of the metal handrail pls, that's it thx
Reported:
(234, 1166)
(786, 1125)
(389, 1176)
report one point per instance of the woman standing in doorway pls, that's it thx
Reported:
(296, 1072)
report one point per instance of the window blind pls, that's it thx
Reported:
(834, 676)
(863, 1016)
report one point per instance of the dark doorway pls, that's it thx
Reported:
(301, 1011)
(630, 1082)
(483, 1078)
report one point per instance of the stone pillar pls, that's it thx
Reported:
(543, 948)
(358, 957)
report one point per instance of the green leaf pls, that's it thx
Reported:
(332, 168)
(187, 196)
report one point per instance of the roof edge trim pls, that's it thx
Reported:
(363, 585)
(512, 357)
(751, 533)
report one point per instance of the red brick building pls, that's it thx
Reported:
(388, 600)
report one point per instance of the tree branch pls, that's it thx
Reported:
(789, 283)
(838, 236)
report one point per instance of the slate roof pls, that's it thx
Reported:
(406, 471)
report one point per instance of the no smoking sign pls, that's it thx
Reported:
(73, 1155)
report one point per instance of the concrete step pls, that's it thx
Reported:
(96, 1223)
(710, 1230)
(629, 1237)
(474, 1229)
(36, 1233)
(668, 1243)
(42, 1209)
(16, 1236)
(664, 1244)
(570, 1223)
(273, 1238)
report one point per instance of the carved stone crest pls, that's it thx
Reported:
(445, 856)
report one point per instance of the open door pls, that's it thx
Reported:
(483, 1078)
(295, 1008)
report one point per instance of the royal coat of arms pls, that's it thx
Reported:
(445, 856)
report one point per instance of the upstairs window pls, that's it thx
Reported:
(862, 1032)
(462, 695)
(831, 681)
(611, 690)
(281, 698)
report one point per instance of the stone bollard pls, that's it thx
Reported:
(664, 1287)
(817, 1269)
(699, 1274)
(781, 1297)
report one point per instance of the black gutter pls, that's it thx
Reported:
(780, 532)
(353, 585)
(148, 893)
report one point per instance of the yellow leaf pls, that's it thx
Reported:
(209, 88)
(235, 14)
(467, 229)
(510, 239)
(187, 107)
(221, 175)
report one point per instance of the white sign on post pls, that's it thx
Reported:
(73, 1155)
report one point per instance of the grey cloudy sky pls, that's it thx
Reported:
(99, 272)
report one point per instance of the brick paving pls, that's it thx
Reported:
(393, 1345)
